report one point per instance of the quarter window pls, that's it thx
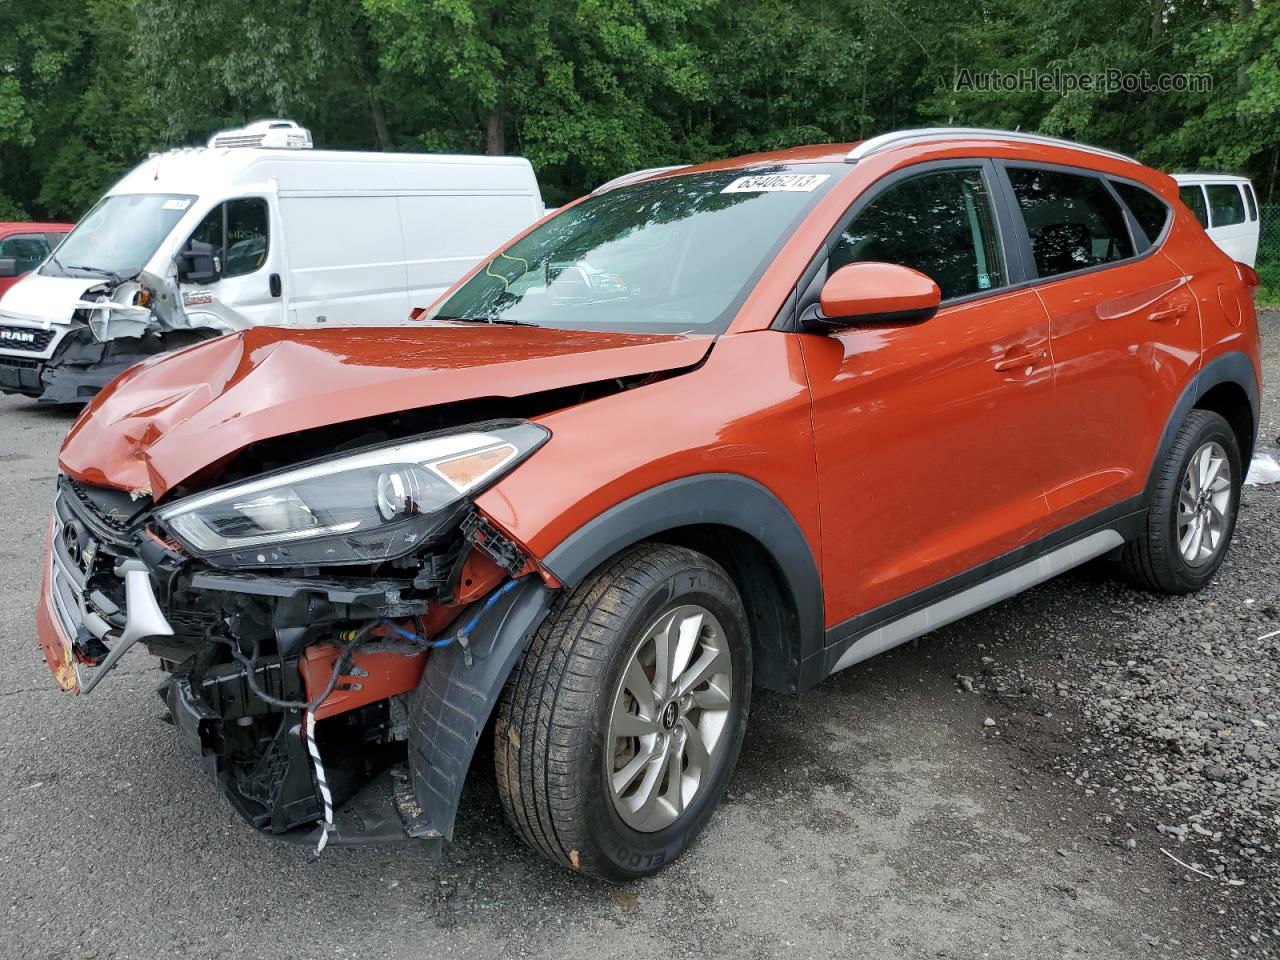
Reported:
(940, 223)
(1226, 207)
(1148, 209)
(28, 250)
(1251, 200)
(1073, 221)
(1193, 197)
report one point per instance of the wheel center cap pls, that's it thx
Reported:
(670, 714)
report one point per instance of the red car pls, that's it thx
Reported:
(744, 423)
(24, 246)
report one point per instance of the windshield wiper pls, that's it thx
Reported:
(100, 271)
(499, 321)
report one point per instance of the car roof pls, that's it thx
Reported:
(200, 170)
(14, 226)
(986, 141)
(1192, 178)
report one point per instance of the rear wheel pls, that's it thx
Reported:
(616, 735)
(1193, 511)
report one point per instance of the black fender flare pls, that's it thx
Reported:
(1234, 367)
(723, 499)
(459, 688)
(461, 684)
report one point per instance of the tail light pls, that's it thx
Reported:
(1248, 275)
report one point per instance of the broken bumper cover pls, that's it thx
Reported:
(105, 589)
(71, 615)
(288, 807)
(21, 375)
(80, 367)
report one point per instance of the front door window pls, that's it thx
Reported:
(940, 223)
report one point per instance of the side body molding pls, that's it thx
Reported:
(459, 687)
(722, 499)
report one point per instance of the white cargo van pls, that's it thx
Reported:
(256, 228)
(1227, 208)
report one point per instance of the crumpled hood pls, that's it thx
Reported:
(42, 300)
(163, 420)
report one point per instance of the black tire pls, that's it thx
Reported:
(552, 720)
(1154, 560)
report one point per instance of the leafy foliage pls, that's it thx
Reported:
(588, 89)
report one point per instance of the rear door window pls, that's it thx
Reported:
(1193, 197)
(941, 223)
(1226, 206)
(1073, 221)
(1149, 210)
(28, 250)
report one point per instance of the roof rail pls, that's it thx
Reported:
(634, 177)
(900, 137)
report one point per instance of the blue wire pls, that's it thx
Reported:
(465, 632)
(400, 630)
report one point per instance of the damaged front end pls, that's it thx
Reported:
(295, 613)
(113, 325)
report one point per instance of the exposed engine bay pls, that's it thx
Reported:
(336, 615)
(253, 658)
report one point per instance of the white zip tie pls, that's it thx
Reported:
(314, 749)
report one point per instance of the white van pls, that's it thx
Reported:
(256, 228)
(1227, 208)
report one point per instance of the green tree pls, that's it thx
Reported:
(213, 66)
(584, 89)
(588, 89)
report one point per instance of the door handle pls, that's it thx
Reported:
(1168, 313)
(1016, 361)
(274, 283)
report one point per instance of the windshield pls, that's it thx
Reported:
(118, 236)
(675, 255)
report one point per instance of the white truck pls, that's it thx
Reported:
(1227, 208)
(255, 228)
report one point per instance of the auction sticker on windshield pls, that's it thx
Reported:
(777, 182)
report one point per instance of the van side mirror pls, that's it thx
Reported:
(8, 267)
(873, 293)
(198, 263)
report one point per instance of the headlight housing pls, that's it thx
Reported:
(376, 504)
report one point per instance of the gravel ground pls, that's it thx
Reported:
(1179, 706)
(996, 789)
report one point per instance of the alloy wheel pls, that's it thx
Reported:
(1204, 504)
(669, 717)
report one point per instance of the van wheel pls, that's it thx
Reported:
(616, 734)
(1193, 512)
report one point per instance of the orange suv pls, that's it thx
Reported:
(743, 423)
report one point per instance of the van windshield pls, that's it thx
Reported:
(118, 236)
(673, 255)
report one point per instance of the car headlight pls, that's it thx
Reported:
(377, 504)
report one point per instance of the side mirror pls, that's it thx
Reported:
(198, 263)
(8, 267)
(874, 293)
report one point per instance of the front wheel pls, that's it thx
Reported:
(616, 734)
